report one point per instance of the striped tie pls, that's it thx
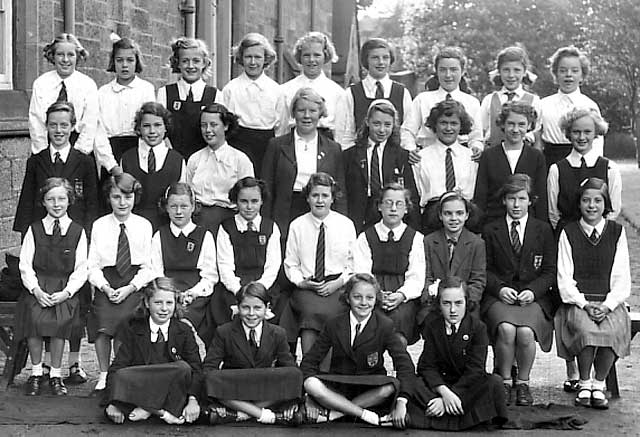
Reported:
(123, 258)
(319, 273)
(379, 90)
(515, 238)
(376, 183)
(151, 162)
(450, 177)
(62, 96)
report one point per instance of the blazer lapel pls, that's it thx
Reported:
(289, 149)
(505, 241)
(528, 242)
(323, 152)
(367, 333)
(143, 332)
(241, 342)
(461, 251)
(266, 342)
(70, 166)
(442, 250)
(360, 161)
(344, 335)
(44, 163)
(389, 163)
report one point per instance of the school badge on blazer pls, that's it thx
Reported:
(262, 239)
(372, 359)
(78, 187)
(176, 105)
(190, 246)
(537, 262)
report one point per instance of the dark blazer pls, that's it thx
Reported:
(136, 346)
(80, 170)
(535, 271)
(468, 262)
(230, 349)
(367, 355)
(279, 170)
(493, 171)
(460, 363)
(395, 163)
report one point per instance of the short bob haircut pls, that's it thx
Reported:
(324, 180)
(568, 52)
(328, 49)
(125, 183)
(513, 54)
(248, 182)
(51, 183)
(394, 186)
(254, 39)
(228, 118)
(372, 44)
(184, 43)
(602, 187)
(49, 50)
(517, 108)
(254, 289)
(125, 44)
(454, 282)
(451, 196)
(567, 120)
(452, 52)
(386, 107)
(450, 108)
(62, 107)
(178, 189)
(360, 278)
(161, 284)
(156, 109)
(518, 182)
(310, 95)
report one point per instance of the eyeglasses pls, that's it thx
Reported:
(388, 203)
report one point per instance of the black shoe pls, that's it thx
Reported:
(46, 369)
(523, 395)
(507, 393)
(216, 419)
(76, 376)
(296, 420)
(57, 387)
(571, 386)
(33, 386)
(597, 403)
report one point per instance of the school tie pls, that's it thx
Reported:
(319, 273)
(594, 236)
(390, 237)
(57, 234)
(515, 238)
(510, 95)
(123, 257)
(190, 96)
(450, 174)
(62, 96)
(451, 243)
(250, 226)
(358, 326)
(448, 97)
(57, 164)
(160, 338)
(252, 341)
(453, 330)
(151, 162)
(375, 183)
(379, 90)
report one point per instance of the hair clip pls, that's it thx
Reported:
(114, 37)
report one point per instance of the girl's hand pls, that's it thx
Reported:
(592, 311)
(392, 301)
(290, 411)
(329, 287)
(310, 284)
(414, 157)
(120, 294)
(59, 297)
(191, 411)
(508, 295)
(435, 407)
(525, 297)
(43, 298)
(476, 153)
(399, 414)
(452, 403)
(187, 297)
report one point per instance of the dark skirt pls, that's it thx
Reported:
(210, 217)
(80, 323)
(105, 316)
(221, 301)
(153, 387)
(484, 403)
(575, 331)
(404, 320)
(33, 320)
(253, 142)
(351, 386)
(529, 315)
(255, 385)
(199, 315)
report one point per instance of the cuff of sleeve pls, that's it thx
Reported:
(581, 302)
(610, 304)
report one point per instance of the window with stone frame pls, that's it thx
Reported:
(5, 44)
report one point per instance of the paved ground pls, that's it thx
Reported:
(547, 376)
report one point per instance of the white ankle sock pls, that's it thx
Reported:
(598, 385)
(36, 369)
(55, 372)
(370, 417)
(267, 416)
(584, 384)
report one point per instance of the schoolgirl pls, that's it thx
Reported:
(570, 67)
(594, 280)
(376, 160)
(120, 99)
(254, 97)
(186, 253)
(517, 305)
(514, 154)
(453, 250)
(454, 391)
(249, 370)
(317, 271)
(157, 369)
(184, 98)
(394, 254)
(376, 56)
(119, 266)
(357, 384)
(511, 74)
(153, 163)
(248, 248)
(53, 268)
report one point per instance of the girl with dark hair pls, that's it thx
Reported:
(249, 369)
(157, 369)
(186, 253)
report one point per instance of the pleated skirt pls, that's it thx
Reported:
(33, 320)
(255, 385)
(530, 315)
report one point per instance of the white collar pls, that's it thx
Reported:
(144, 147)
(260, 81)
(353, 321)
(298, 139)
(447, 327)
(590, 157)
(454, 147)
(187, 230)
(117, 87)
(588, 229)
(571, 95)
(258, 329)
(164, 328)
(522, 221)
(64, 152)
(398, 231)
(373, 143)
(243, 225)
(316, 221)
(64, 221)
(519, 91)
(321, 76)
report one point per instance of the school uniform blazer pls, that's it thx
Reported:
(493, 172)
(135, 349)
(366, 355)
(458, 363)
(394, 158)
(279, 170)
(78, 167)
(230, 349)
(468, 262)
(535, 271)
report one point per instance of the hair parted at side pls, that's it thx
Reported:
(450, 108)
(152, 108)
(602, 187)
(49, 50)
(518, 182)
(124, 182)
(51, 183)
(360, 278)
(395, 186)
(386, 107)
(184, 43)
(248, 182)
(321, 179)
(161, 284)
(254, 39)
(254, 289)
(567, 52)
(310, 95)
(329, 51)
(372, 44)
(125, 44)
(62, 107)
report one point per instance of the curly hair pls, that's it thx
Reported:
(450, 108)
(328, 48)
(184, 43)
(124, 182)
(228, 118)
(569, 52)
(49, 50)
(517, 108)
(152, 108)
(567, 120)
(254, 39)
(125, 44)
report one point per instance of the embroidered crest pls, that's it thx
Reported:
(177, 104)
(372, 359)
(537, 261)
(190, 246)
(78, 187)
(262, 239)
(465, 337)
